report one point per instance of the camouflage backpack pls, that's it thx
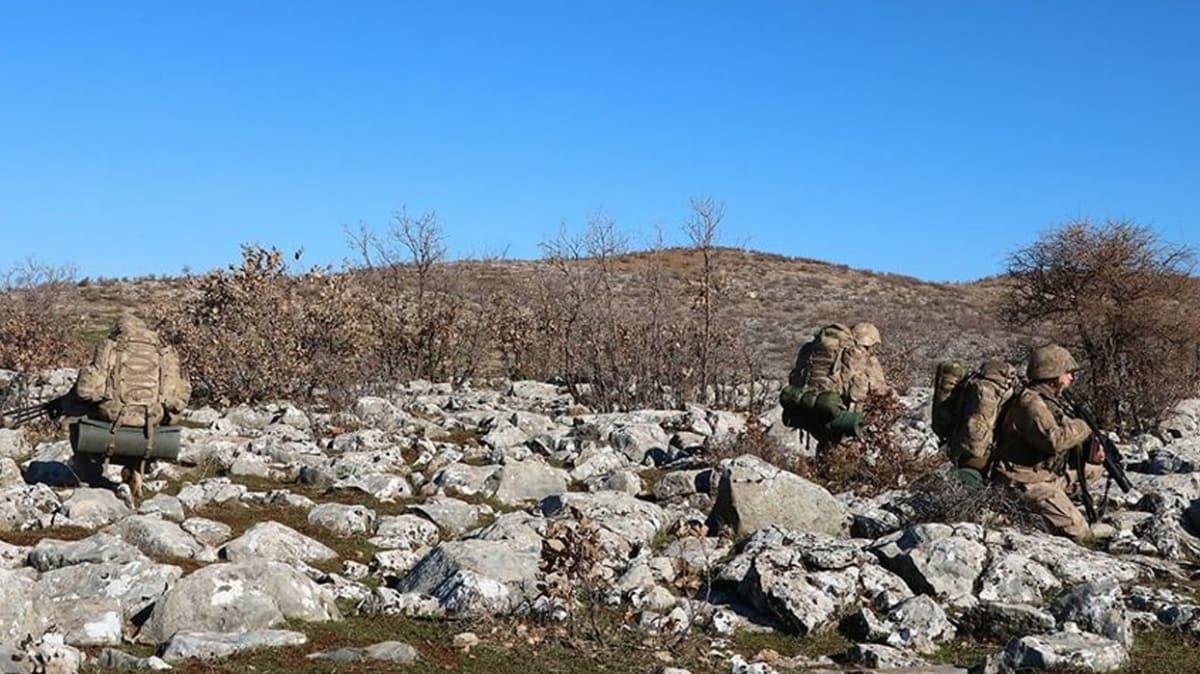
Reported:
(819, 364)
(946, 380)
(134, 378)
(973, 411)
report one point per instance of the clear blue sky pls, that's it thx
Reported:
(929, 138)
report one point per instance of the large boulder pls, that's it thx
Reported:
(475, 577)
(626, 524)
(404, 532)
(50, 553)
(213, 645)
(807, 580)
(936, 559)
(10, 473)
(93, 508)
(637, 442)
(22, 607)
(136, 585)
(519, 481)
(158, 537)
(344, 520)
(1098, 608)
(1078, 651)
(13, 444)
(27, 507)
(752, 494)
(239, 597)
(88, 622)
(275, 541)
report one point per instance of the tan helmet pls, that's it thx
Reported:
(1048, 362)
(866, 334)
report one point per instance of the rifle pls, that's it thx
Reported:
(52, 409)
(1114, 464)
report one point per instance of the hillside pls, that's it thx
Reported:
(774, 301)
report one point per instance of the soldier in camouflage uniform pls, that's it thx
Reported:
(1040, 441)
(863, 373)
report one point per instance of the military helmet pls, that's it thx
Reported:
(1048, 362)
(866, 334)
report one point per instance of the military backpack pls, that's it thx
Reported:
(134, 378)
(968, 408)
(814, 399)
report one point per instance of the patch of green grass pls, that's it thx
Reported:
(826, 642)
(324, 494)
(506, 648)
(1164, 652)
(963, 653)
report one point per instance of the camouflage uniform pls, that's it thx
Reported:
(864, 373)
(1039, 442)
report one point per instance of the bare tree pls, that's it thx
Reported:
(1126, 300)
(702, 229)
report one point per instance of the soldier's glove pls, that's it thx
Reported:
(1095, 450)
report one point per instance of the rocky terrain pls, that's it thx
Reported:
(507, 528)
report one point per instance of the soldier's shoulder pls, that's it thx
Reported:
(1031, 398)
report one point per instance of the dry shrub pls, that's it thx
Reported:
(673, 344)
(940, 496)
(36, 330)
(876, 462)
(1122, 299)
(254, 332)
(429, 319)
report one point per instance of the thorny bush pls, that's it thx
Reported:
(1123, 300)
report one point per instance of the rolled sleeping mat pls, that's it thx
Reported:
(797, 406)
(827, 407)
(97, 438)
(846, 424)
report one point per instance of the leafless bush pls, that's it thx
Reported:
(673, 344)
(429, 321)
(940, 496)
(36, 331)
(1124, 300)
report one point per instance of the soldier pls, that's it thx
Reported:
(1040, 440)
(835, 372)
(864, 374)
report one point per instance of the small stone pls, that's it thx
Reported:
(465, 641)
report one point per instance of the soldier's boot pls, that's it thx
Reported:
(132, 477)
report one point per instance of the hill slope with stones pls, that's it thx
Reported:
(448, 527)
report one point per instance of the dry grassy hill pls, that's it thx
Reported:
(775, 301)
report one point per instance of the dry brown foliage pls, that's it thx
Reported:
(869, 465)
(36, 332)
(1125, 301)
(253, 332)
(876, 462)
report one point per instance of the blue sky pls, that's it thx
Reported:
(925, 138)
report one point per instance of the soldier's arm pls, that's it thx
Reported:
(878, 379)
(1045, 433)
